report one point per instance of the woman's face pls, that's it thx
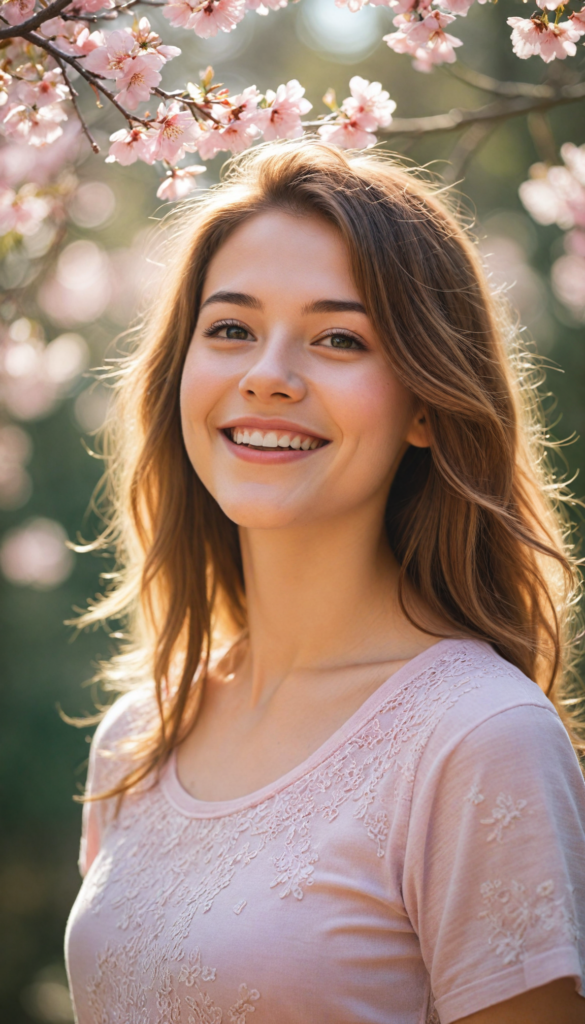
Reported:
(290, 411)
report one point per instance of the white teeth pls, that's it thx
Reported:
(257, 439)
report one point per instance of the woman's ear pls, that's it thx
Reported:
(419, 434)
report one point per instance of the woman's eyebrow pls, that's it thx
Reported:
(334, 306)
(234, 298)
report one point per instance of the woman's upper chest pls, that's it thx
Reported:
(236, 749)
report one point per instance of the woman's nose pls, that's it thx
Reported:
(272, 374)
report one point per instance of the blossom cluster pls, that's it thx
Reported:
(556, 195)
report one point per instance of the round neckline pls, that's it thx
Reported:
(189, 805)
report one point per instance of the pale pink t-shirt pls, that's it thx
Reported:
(426, 862)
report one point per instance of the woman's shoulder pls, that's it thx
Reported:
(485, 705)
(131, 715)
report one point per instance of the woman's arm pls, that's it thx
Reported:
(555, 1003)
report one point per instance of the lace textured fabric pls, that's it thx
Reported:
(423, 863)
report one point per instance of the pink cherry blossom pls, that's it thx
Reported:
(347, 135)
(532, 36)
(37, 127)
(425, 39)
(242, 124)
(5, 87)
(179, 12)
(72, 37)
(578, 20)
(17, 11)
(128, 146)
(173, 132)
(352, 5)
(574, 158)
(283, 116)
(110, 60)
(179, 182)
(150, 42)
(211, 16)
(21, 212)
(369, 107)
(138, 80)
(49, 89)
(547, 5)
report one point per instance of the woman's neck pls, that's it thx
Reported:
(322, 596)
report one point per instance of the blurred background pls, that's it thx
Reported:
(58, 321)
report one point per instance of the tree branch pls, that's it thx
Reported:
(93, 80)
(500, 110)
(16, 31)
(73, 97)
(488, 84)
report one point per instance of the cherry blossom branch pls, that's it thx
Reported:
(488, 84)
(73, 96)
(93, 80)
(500, 110)
(51, 11)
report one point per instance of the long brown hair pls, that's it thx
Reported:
(475, 520)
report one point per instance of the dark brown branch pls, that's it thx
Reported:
(73, 95)
(94, 80)
(500, 110)
(51, 11)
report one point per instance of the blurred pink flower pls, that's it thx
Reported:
(578, 20)
(51, 88)
(139, 78)
(179, 12)
(37, 127)
(15, 452)
(17, 11)
(179, 182)
(211, 16)
(556, 195)
(531, 37)
(574, 158)
(283, 116)
(22, 212)
(568, 281)
(72, 37)
(264, 6)
(129, 145)
(173, 132)
(36, 555)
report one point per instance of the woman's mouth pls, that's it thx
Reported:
(260, 440)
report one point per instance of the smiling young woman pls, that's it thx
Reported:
(337, 789)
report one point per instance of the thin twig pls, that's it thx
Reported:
(94, 80)
(51, 11)
(73, 95)
(488, 84)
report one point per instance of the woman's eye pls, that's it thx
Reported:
(231, 332)
(235, 333)
(341, 341)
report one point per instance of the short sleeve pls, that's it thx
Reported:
(494, 870)
(130, 714)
